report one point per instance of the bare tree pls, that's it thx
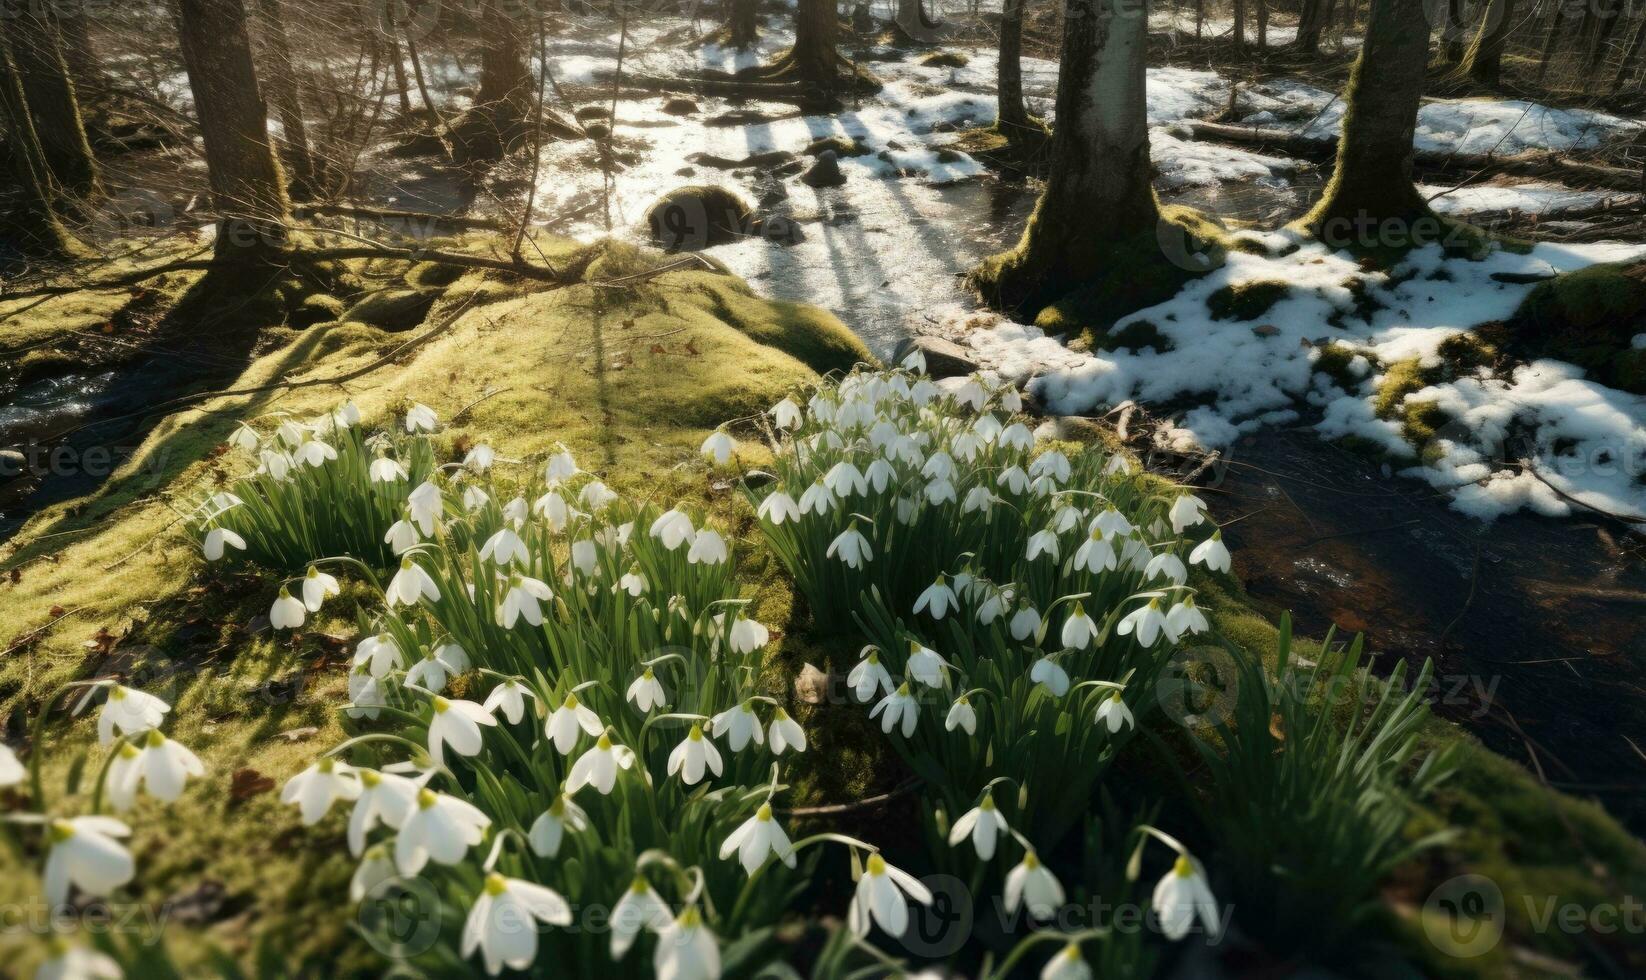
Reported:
(744, 28)
(52, 100)
(1011, 116)
(35, 225)
(286, 92)
(1483, 61)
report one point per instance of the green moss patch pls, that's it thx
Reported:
(1246, 300)
(1589, 318)
(946, 59)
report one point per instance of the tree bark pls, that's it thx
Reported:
(1311, 20)
(745, 24)
(1372, 181)
(1098, 200)
(248, 188)
(285, 90)
(1011, 116)
(1552, 41)
(1262, 23)
(1240, 23)
(1629, 56)
(815, 59)
(34, 226)
(52, 101)
(75, 36)
(1483, 62)
(1604, 17)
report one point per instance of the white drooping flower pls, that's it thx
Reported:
(287, 612)
(560, 468)
(129, 711)
(1096, 554)
(367, 698)
(508, 697)
(552, 507)
(1146, 621)
(708, 548)
(384, 796)
(1043, 542)
(738, 724)
(1053, 464)
(880, 475)
(1033, 885)
(379, 654)
(317, 586)
(1068, 964)
(777, 508)
(11, 771)
(401, 536)
(376, 867)
(852, 547)
(549, 829)
(1187, 511)
(502, 923)
(1050, 676)
(437, 666)
(632, 582)
(1185, 618)
(1112, 711)
(505, 547)
(747, 635)
(939, 598)
(1112, 523)
(585, 556)
(567, 720)
(1024, 622)
(1212, 553)
(984, 824)
(68, 962)
(314, 453)
(786, 733)
(479, 459)
(719, 447)
(900, 705)
(424, 506)
(517, 513)
(646, 692)
(686, 949)
(926, 665)
(86, 854)
(596, 495)
(868, 674)
(639, 908)
(522, 600)
(817, 499)
(845, 480)
(757, 838)
(785, 414)
(386, 470)
(217, 538)
(598, 766)
(420, 418)
(163, 767)
(457, 723)
(440, 828)
(962, 716)
(1013, 479)
(880, 898)
(674, 528)
(1182, 895)
(692, 756)
(316, 788)
(1167, 566)
(278, 466)
(411, 584)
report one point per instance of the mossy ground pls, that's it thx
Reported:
(1588, 317)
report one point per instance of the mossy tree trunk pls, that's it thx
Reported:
(75, 35)
(744, 28)
(248, 188)
(815, 59)
(1311, 21)
(285, 90)
(1372, 181)
(1011, 117)
(34, 226)
(52, 101)
(1483, 61)
(1098, 200)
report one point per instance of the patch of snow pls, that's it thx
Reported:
(1530, 198)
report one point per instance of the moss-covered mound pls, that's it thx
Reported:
(1589, 317)
(690, 219)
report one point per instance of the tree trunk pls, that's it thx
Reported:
(1098, 200)
(286, 92)
(1199, 18)
(1310, 22)
(1483, 62)
(815, 59)
(912, 22)
(1629, 56)
(1454, 33)
(72, 31)
(1240, 23)
(402, 88)
(1262, 24)
(34, 226)
(1552, 41)
(52, 101)
(505, 77)
(1011, 117)
(745, 24)
(1372, 182)
(247, 186)
(1604, 17)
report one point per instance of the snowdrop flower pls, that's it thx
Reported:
(868, 674)
(437, 666)
(585, 556)
(1053, 464)
(1032, 884)
(777, 508)
(1147, 621)
(984, 824)
(1168, 566)
(549, 829)
(440, 828)
(501, 922)
(747, 635)
(424, 506)
(1181, 895)
(967, 445)
(979, 498)
(633, 582)
(1013, 479)
(380, 654)
(287, 612)
(994, 604)
(402, 536)
(596, 495)
(939, 492)
(375, 868)
(516, 513)
(915, 361)
(313, 453)
(1068, 963)
(474, 498)
(647, 692)
(719, 447)
(708, 547)
(938, 597)
(692, 755)
(420, 418)
(384, 796)
(163, 766)
(1049, 675)
(786, 733)
(522, 601)
(1095, 554)
(939, 466)
(217, 537)
(686, 949)
(739, 724)
(552, 507)
(1078, 629)
(77, 963)
(880, 475)
(85, 853)
(880, 898)
(638, 909)
(1112, 523)
(410, 584)
(456, 723)
(316, 788)
(1066, 519)
(317, 585)
(386, 470)
(1017, 436)
(11, 771)
(972, 395)
(1024, 622)
(1043, 543)
(1187, 511)
(845, 480)
(244, 437)
(1212, 553)
(598, 766)
(907, 508)
(508, 697)
(673, 529)
(276, 465)
(479, 459)
(130, 711)
(561, 467)
(926, 665)
(852, 547)
(1186, 618)
(785, 414)
(961, 715)
(757, 837)
(897, 706)
(505, 547)
(817, 499)
(565, 722)
(1114, 713)
(346, 415)
(366, 697)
